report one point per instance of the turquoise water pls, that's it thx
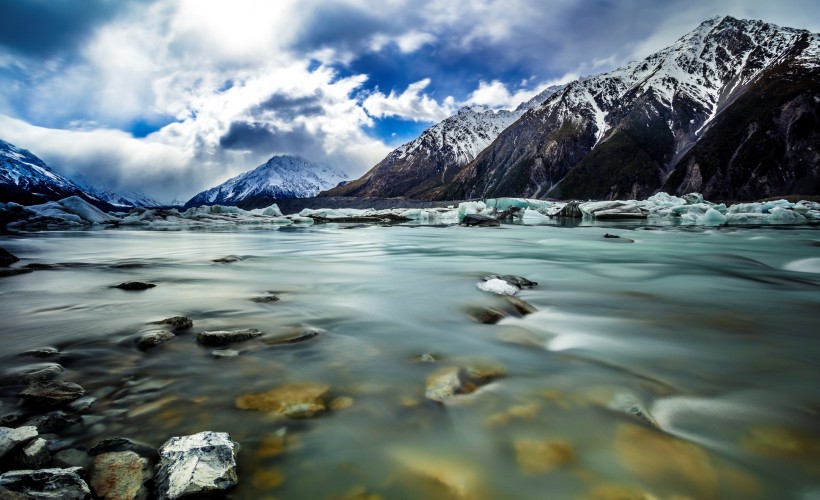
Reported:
(712, 333)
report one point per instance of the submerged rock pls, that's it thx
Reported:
(228, 259)
(292, 336)
(263, 299)
(448, 382)
(196, 464)
(42, 352)
(457, 479)
(135, 285)
(59, 484)
(154, 338)
(486, 315)
(541, 457)
(618, 239)
(7, 258)
(224, 337)
(523, 307)
(178, 322)
(296, 400)
(120, 475)
(5, 272)
(12, 438)
(40, 372)
(50, 394)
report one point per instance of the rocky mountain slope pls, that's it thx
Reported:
(422, 167)
(26, 179)
(281, 177)
(731, 109)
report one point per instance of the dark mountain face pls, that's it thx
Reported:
(730, 109)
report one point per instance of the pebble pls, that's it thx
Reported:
(11, 438)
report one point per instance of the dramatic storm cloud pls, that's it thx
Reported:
(173, 96)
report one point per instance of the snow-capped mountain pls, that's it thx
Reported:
(281, 177)
(730, 109)
(117, 198)
(420, 168)
(26, 179)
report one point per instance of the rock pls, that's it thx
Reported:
(178, 322)
(224, 353)
(6, 258)
(35, 455)
(341, 403)
(618, 239)
(541, 457)
(36, 266)
(443, 384)
(779, 442)
(570, 211)
(292, 336)
(456, 479)
(120, 475)
(513, 280)
(135, 285)
(40, 372)
(50, 394)
(451, 381)
(479, 220)
(223, 337)
(618, 492)
(83, 404)
(5, 272)
(266, 298)
(486, 316)
(43, 352)
(12, 438)
(53, 422)
(71, 457)
(153, 338)
(59, 484)
(196, 464)
(296, 400)
(228, 259)
(498, 286)
(523, 307)
(123, 444)
(661, 460)
(519, 412)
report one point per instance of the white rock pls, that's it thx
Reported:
(196, 464)
(11, 438)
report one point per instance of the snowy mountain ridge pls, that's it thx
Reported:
(280, 177)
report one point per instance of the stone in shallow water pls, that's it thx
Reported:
(120, 475)
(178, 322)
(297, 400)
(40, 372)
(50, 394)
(6, 258)
(135, 285)
(486, 315)
(195, 465)
(43, 352)
(266, 298)
(71, 458)
(456, 479)
(11, 438)
(224, 337)
(665, 461)
(541, 457)
(780, 442)
(511, 279)
(154, 338)
(59, 484)
(465, 378)
(292, 336)
(523, 307)
(228, 259)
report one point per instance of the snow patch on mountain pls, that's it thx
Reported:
(23, 169)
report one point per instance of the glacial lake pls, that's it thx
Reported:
(685, 364)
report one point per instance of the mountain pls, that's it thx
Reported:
(422, 167)
(282, 177)
(26, 179)
(117, 198)
(731, 110)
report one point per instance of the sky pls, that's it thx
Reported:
(170, 97)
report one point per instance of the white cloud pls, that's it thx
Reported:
(410, 104)
(497, 95)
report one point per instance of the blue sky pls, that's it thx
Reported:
(173, 96)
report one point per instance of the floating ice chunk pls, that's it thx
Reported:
(498, 286)
(712, 216)
(470, 207)
(530, 215)
(662, 199)
(73, 210)
(780, 214)
(271, 211)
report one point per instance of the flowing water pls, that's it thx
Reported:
(710, 333)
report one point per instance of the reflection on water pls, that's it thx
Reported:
(710, 334)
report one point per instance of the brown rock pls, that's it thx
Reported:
(297, 400)
(341, 403)
(119, 475)
(50, 394)
(541, 457)
(454, 479)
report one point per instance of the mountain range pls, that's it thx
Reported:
(730, 110)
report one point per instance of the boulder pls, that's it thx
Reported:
(35, 454)
(195, 465)
(224, 337)
(50, 394)
(6, 258)
(296, 400)
(59, 484)
(135, 285)
(178, 322)
(479, 220)
(12, 438)
(120, 475)
(153, 338)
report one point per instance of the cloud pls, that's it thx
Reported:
(410, 104)
(497, 94)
